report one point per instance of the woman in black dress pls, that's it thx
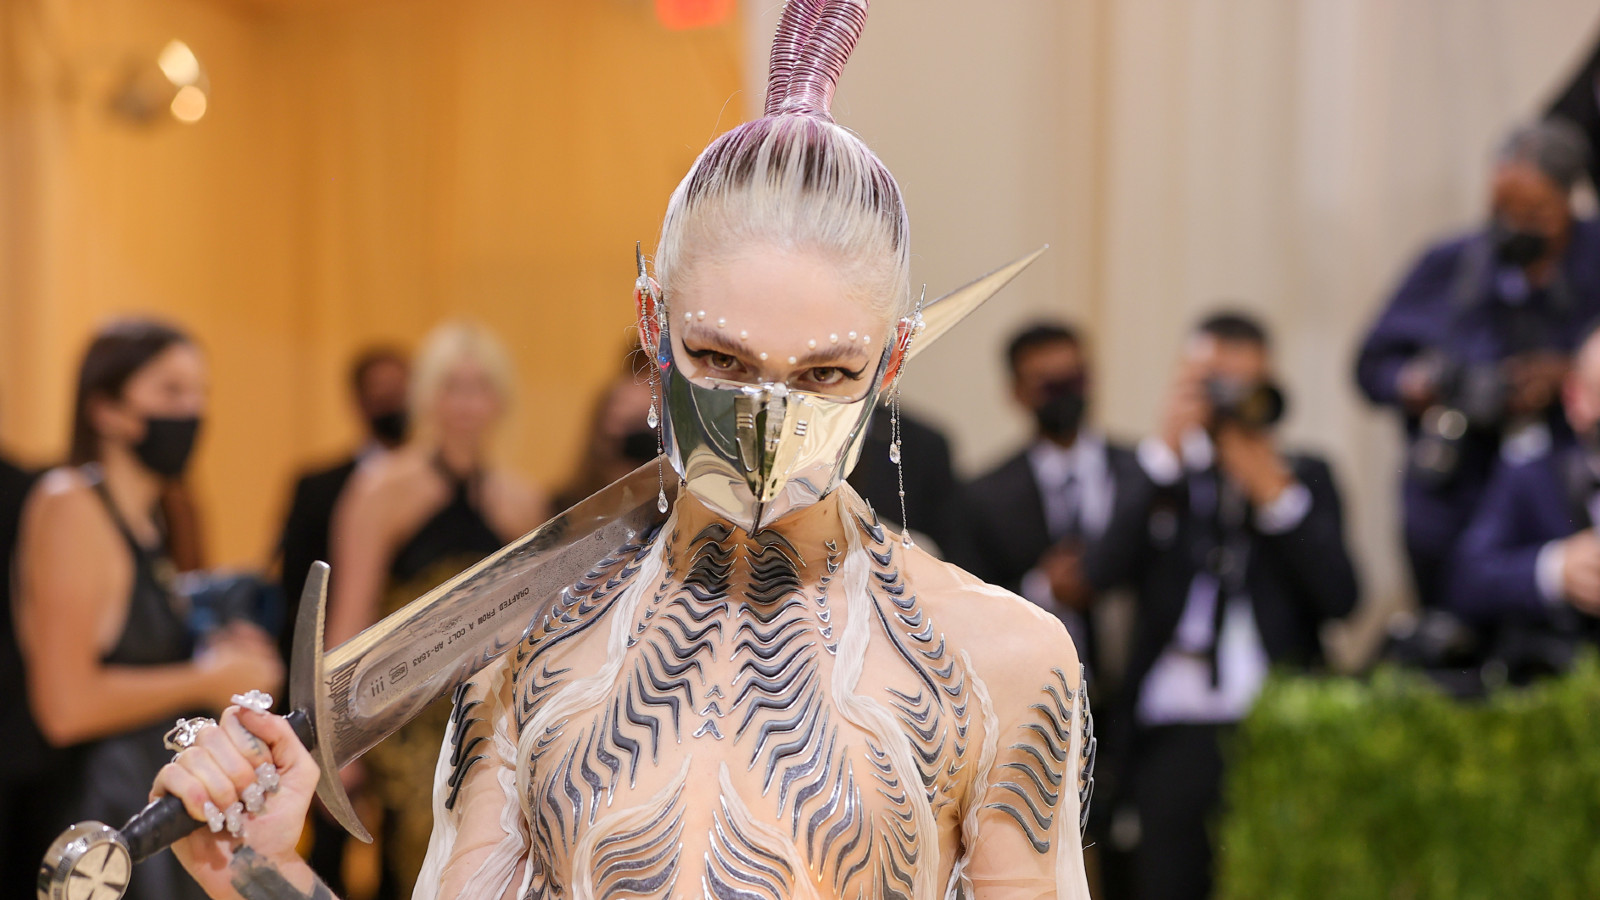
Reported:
(410, 520)
(110, 657)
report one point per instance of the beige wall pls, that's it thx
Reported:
(370, 167)
(1291, 155)
(366, 169)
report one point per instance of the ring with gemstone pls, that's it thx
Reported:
(260, 701)
(181, 736)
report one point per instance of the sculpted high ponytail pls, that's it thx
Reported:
(794, 178)
(814, 41)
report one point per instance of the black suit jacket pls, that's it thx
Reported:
(1296, 580)
(305, 535)
(1002, 520)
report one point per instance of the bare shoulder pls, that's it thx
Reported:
(65, 498)
(385, 484)
(1013, 645)
(63, 524)
(389, 472)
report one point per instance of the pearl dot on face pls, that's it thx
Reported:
(866, 339)
(812, 343)
(688, 317)
(792, 360)
(722, 323)
(833, 339)
(744, 335)
(763, 357)
(701, 315)
(852, 335)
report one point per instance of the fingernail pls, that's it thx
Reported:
(235, 819)
(254, 798)
(267, 776)
(214, 817)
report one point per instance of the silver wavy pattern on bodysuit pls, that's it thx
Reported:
(1034, 780)
(733, 645)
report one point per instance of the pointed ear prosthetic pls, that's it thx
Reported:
(755, 452)
(946, 312)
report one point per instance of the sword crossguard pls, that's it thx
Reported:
(306, 693)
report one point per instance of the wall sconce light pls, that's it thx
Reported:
(173, 84)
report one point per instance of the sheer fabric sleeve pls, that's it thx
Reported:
(479, 846)
(1034, 802)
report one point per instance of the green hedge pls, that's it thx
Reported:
(1384, 788)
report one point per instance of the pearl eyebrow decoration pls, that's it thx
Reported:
(763, 356)
(792, 360)
(812, 343)
(852, 335)
(744, 335)
(701, 315)
(722, 323)
(688, 317)
(833, 339)
(866, 339)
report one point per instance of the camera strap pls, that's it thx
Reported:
(1222, 551)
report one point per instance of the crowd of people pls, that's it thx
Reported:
(1186, 564)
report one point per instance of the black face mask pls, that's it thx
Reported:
(167, 444)
(1062, 412)
(1516, 247)
(640, 446)
(389, 427)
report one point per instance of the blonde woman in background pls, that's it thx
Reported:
(410, 520)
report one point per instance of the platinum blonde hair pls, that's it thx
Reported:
(447, 346)
(794, 180)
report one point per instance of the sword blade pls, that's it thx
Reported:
(383, 677)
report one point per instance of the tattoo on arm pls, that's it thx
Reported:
(256, 878)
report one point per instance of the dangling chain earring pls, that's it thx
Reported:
(896, 454)
(645, 289)
(654, 421)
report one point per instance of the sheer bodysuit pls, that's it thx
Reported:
(712, 714)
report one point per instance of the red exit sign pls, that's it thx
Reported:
(685, 14)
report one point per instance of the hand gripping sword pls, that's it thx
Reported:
(345, 700)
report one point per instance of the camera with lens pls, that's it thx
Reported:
(1248, 404)
(1471, 397)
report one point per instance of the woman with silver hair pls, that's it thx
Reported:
(770, 696)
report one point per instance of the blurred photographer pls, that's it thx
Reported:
(1528, 566)
(1474, 344)
(1236, 553)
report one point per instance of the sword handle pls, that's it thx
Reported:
(165, 822)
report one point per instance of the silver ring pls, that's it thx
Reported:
(182, 735)
(260, 701)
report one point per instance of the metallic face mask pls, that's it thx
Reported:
(757, 452)
(754, 453)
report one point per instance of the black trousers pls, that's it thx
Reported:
(1176, 781)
